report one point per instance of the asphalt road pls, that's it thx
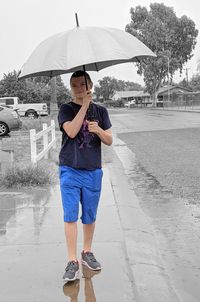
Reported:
(167, 147)
(161, 159)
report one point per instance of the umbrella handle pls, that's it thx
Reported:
(85, 78)
(90, 113)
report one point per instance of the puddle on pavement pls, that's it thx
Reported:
(72, 289)
(176, 223)
(13, 203)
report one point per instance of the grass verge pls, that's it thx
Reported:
(44, 173)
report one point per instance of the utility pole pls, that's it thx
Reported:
(168, 80)
(186, 75)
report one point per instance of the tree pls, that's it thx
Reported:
(32, 90)
(11, 86)
(198, 65)
(126, 85)
(108, 85)
(195, 82)
(97, 91)
(63, 94)
(184, 83)
(171, 38)
(132, 86)
(45, 86)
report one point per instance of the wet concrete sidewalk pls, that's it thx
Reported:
(33, 251)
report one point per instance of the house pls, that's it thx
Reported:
(172, 93)
(140, 97)
(167, 94)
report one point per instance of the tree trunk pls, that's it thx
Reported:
(156, 87)
(154, 103)
(53, 103)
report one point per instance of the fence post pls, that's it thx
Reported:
(33, 146)
(46, 144)
(53, 133)
(45, 140)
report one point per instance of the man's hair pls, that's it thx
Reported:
(80, 73)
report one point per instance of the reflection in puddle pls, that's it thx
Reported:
(14, 206)
(71, 289)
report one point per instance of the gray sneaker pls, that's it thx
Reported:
(90, 261)
(71, 271)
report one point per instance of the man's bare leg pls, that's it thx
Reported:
(88, 258)
(88, 232)
(71, 233)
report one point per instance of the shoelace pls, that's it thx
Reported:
(91, 256)
(70, 266)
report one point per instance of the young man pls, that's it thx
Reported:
(84, 125)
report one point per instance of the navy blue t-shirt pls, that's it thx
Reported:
(83, 151)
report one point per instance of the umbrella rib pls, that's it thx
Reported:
(96, 66)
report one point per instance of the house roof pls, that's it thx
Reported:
(178, 89)
(132, 93)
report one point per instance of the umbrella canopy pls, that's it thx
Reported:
(94, 48)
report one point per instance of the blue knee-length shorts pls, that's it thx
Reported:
(83, 187)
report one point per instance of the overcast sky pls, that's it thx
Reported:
(25, 23)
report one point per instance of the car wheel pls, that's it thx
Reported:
(31, 114)
(3, 129)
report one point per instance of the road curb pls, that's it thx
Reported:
(150, 278)
(177, 110)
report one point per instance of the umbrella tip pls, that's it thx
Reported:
(77, 23)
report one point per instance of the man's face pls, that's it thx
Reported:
(78, 86)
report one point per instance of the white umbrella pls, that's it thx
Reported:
(90, 48)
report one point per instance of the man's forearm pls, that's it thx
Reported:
(105, 136)
(72, 128)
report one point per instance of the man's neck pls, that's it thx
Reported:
(78, 101)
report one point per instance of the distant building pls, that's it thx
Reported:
(140, 97)
(172, 95)
(175, 89)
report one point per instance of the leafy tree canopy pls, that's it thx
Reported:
(194, 83)
(32, 90)
(171, 38)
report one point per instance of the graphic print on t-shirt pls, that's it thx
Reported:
(84, 136)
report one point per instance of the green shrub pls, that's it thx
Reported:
(30, 175)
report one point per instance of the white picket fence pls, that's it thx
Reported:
(35, 156)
